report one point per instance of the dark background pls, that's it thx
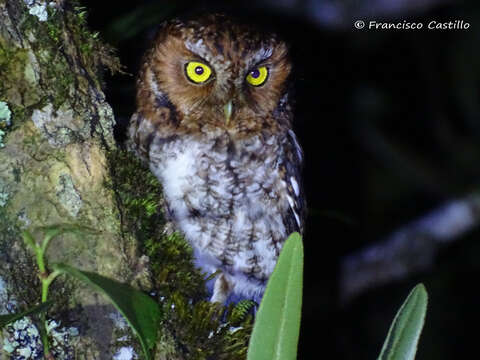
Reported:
(390, 124)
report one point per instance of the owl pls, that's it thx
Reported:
(214, 123)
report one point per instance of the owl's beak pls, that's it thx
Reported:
(227, 110)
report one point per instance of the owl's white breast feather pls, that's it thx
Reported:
(230, 204)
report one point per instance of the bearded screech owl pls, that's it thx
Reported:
(213, 122)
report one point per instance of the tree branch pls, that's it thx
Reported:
(410, 249)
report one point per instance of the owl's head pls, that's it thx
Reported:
(214, 73)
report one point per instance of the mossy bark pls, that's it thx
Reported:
(59, 164)
(54, 167)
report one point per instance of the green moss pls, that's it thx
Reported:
(14, 88)
(93, 52)
(209, 331)
(172, 267)
(139, 195)
(12, 62)
(20, 114)
(58, 78)
(69, 54)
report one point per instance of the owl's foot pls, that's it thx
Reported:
(221, 290)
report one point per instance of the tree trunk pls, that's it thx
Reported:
(54, 162)
(59, 164)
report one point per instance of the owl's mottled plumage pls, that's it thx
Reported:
(232, 183)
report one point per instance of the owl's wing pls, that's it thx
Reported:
(292, 164)
(138, 130)
(143, 132)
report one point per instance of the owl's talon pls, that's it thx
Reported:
(221, 290)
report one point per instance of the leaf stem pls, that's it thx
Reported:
(46, 279)
(46, 283)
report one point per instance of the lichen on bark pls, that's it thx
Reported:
(53, 167)
(61, 164)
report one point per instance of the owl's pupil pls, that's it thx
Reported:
(255, 73)
(199, 70)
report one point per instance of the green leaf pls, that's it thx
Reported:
(277, 325)
(28, 238)
(141, 312)
(402, 339)
(10, 318)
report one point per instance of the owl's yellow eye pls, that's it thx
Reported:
(198, 72)
(257, 76)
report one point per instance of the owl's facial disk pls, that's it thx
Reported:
(236, 86)
(217, 73)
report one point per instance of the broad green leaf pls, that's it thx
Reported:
(141, 312)
(402, 339)
(277, 325)
(10, 318)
